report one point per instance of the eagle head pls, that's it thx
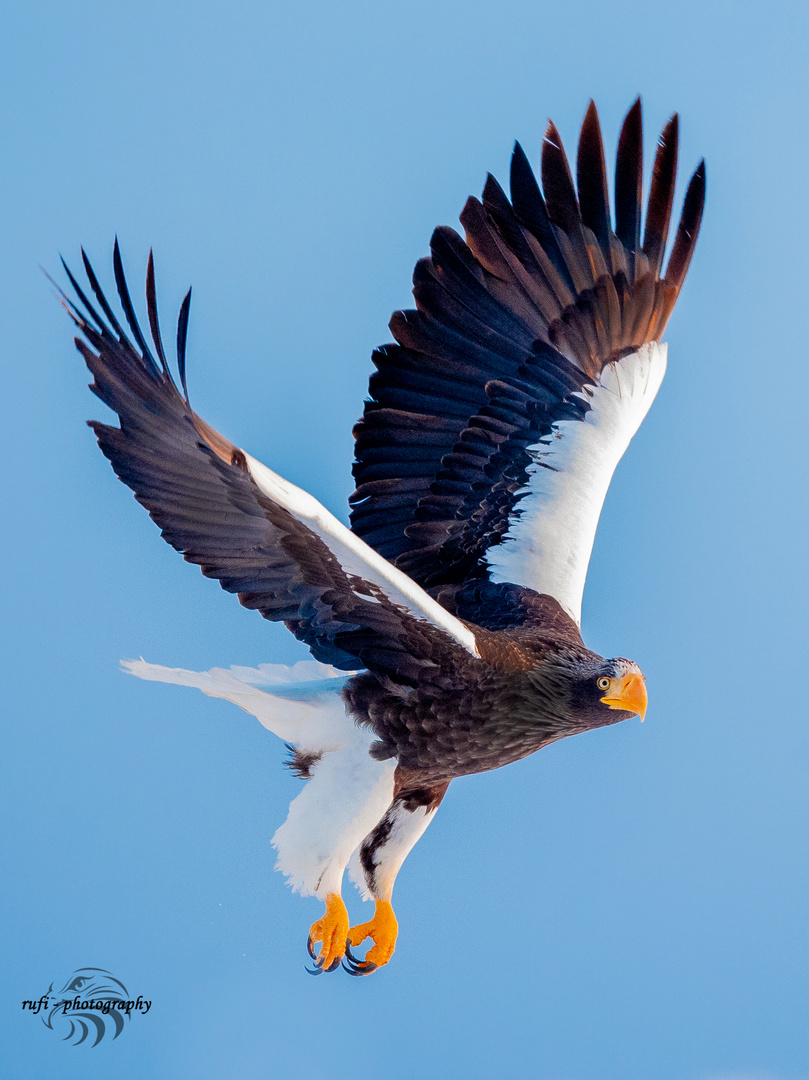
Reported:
(600, 689)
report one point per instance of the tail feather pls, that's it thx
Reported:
(301, 704)
(348, 792)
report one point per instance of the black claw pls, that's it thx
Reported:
(351, 957)
(349, 968)
(359, 969)
(354, 966)
(318, 968)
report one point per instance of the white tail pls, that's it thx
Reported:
(348, 792)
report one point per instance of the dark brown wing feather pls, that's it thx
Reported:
(661, 195)
(195, 486)
(510, 328)
(591, 179)
(629, 180)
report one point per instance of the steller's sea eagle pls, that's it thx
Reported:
(445, 622)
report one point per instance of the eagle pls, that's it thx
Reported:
(445, 622)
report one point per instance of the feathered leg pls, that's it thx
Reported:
(344, 799)
(379, 860)
(347, 791)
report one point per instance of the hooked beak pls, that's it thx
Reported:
(629, 694)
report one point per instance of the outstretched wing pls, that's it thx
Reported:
(496, 422)
(262, 538)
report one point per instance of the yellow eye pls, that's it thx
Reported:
(603, 683)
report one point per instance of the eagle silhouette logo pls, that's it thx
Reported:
(85, 1007)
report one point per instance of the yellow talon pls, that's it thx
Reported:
(383, 929)
(331, 931)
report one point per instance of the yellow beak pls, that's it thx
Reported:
(628, 694)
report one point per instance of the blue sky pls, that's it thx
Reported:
(629, 904)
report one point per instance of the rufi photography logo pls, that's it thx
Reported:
(91, 1004)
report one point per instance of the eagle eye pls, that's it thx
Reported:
(603, 683)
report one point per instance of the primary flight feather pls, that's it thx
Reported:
(445, 622)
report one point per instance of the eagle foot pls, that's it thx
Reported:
(382, 929)
(332, 932)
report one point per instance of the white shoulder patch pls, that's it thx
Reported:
(356, 557)
(548, 544)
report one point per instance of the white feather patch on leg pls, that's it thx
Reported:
(403, 829)
(346, 797)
